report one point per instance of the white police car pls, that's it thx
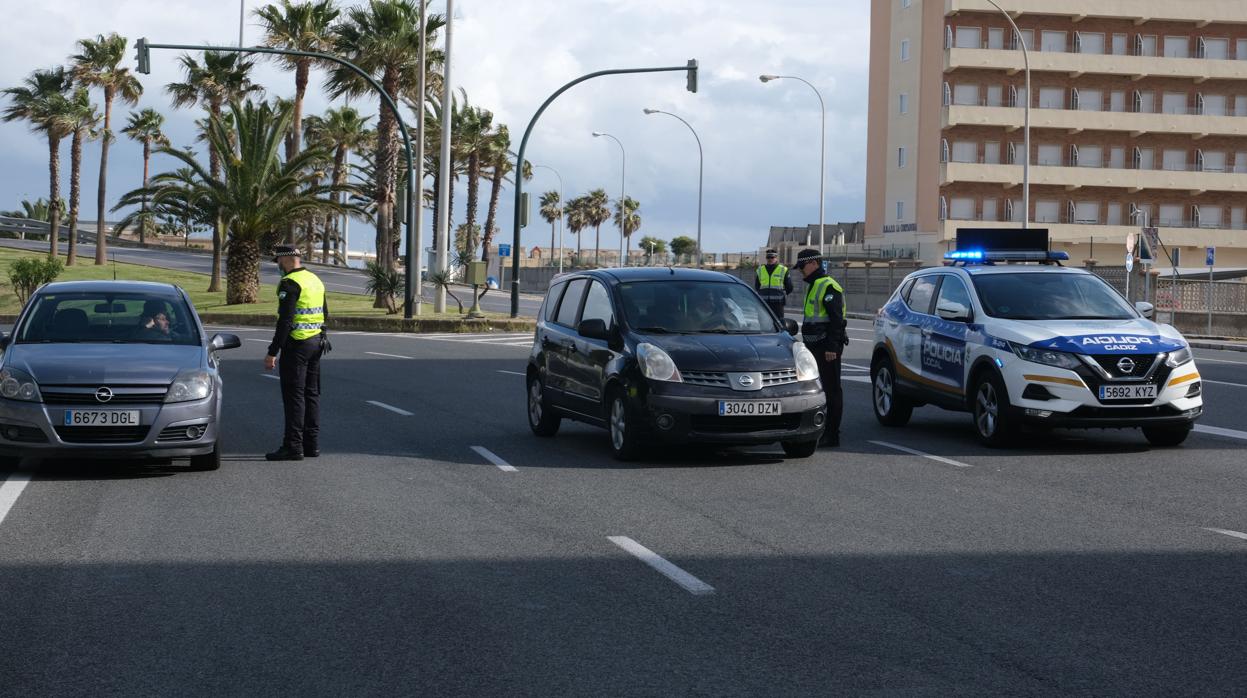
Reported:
(1030, 344)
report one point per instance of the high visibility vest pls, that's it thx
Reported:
(309, 311)
(816, 312)
(771, 285)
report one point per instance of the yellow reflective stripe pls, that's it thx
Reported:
(1183, 379)
(1054, 379)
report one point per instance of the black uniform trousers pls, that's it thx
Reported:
(776, 306)
(829, 374)
(300, 391)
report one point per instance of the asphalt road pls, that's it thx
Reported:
(406, 560)
(335, 279)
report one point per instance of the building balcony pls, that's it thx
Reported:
(1014, 118)
(1073, 178)
(1079, 64)
(1141, 11)
(1082, 232)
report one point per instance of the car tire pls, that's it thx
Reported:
(208, 461)
(891, 408)
(800, 449)
(541, 419)
(622, 424)
(994, 421)
(1166, 437)
(10, 462)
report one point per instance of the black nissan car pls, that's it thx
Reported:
(671, 355)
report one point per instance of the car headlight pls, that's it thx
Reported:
(192, 384)
(1048, 357)
(17, 385)
(656, 364)
(1179, 357)
(807, 366)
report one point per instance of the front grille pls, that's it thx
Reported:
(743, 425)
(82, 395)
(1094, 379)
(713, 379)
(23, 434)
(781, 377)
(179, 433)
(102, 435)
(1142, 364)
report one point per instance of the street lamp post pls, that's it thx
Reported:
(701, 161)
(1147, 219)
(623, 212)
(443, 181)
(415, 292)
(822, 157)
(1026, 119)
(560, 178)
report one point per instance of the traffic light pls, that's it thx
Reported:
(143, 55)
(692, 75)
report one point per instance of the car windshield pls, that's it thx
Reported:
(694, 307)
(1038, 296)
(106, 316)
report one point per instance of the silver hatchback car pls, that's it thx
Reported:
(111, 369)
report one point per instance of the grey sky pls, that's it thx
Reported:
(761, 141)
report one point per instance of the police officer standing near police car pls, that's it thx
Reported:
(824, 330)
(300, 341)
(773, 283)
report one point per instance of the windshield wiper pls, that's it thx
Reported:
(654, 330)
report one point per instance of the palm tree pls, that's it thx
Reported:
(341, 131)
(257, 195)
(35, 211)
(577, 212)
(500, 166)
(597, 212)
(81, 120)
(383, 38)
(629, 225)
(144, 127)
(98, 64)
(306, 26)
(43, 100)
(220, 79)
(473, 136)
(433, 155)
(552, 211)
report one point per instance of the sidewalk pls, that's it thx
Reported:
(1218, 343)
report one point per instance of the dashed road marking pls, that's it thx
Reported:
(856, 379)
(688, 582)
(855, 367)
(915, 452)
(9, 491)
(1235, 385)
(1221, 431)
(512, 373)
(1220, 361)
(1222, 531)
(493, 458)
(388, 356)
(391, 408)
(270, 376)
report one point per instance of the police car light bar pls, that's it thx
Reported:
(1005, 256)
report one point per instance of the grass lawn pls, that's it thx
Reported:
(340, 304)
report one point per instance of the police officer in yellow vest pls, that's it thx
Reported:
(823, 328)
(300, 340)
(773, 283)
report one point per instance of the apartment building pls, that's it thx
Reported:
(1138, 111)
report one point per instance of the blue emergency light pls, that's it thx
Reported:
(991, 245)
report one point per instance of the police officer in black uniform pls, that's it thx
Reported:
(824, 330)
(300, 341)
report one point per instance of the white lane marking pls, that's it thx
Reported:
(234, 329)
(512, 373)
(253, 339)
(856, 379)
(688, 582)
(1222, 531)
(392, 408)
(493, 458)
(9, 491)
(269, 375)
(388, 356)
(1220, 431)
(915, 452)
(1220, 361)
(855, 367)
(1235, 385)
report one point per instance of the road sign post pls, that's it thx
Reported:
(1130, 239)
(1211, 261)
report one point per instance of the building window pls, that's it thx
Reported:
(995, 95)
(1240, 105)
(996, 38)
(1047, 212)
(1238, 218)
(906, 3)
(1212, 105)
(968, 37)
(990, 212)
(1117, 158)
(1117, 101)
(1113, 214)
(1173, 103)
(1052, 41)
(965, 151)
(1090, 100)
(1240, 162)
(904, 49)
(900, 211)
(961, 208)
(1119, 44)
(1177, 47)
(1170, 216)
(1090, 43)
(1210, 216)
(1173, 160)
(1051, 98)
(1212, 160)
(966, 95)
(991, 153)
(1214, 49)
(1087, 212)
(1091, 156)
(1049, 155)
(900, 157)
(1240, 49)
(904, 103)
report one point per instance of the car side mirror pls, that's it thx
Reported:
(594, 329)
(1145, 309)
(954, 312)
(792, 327)
(224, 341)
(5, 338)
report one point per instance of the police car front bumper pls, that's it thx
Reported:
(1046, 396)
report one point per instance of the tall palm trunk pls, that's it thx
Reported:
(552, 242)
(597, 245)
(147, 161)
(101, 201)
(331, 219)
(218, 227)
(387, 155)
(54, 194)
(474, 184)
(495, 190)
(75, 169)
(300, 89)
(243, 268)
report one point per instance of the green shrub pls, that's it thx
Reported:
(386, 281)
(29, 273)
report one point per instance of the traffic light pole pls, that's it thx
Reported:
(690, 67)
(409, 297)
